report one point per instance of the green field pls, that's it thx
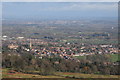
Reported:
(113, 57)
(93, 41)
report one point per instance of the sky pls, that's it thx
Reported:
(58, 10)
(59, 0)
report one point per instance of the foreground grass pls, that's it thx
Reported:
(80, 75)
(6, 74)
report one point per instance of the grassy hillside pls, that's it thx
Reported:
(81, 75)
(6, 74)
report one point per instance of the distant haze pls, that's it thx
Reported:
(59, 10)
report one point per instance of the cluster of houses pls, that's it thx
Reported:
(64, 50)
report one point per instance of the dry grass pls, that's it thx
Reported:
(6, 74)
(80, 75)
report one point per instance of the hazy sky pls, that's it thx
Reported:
(59, 0)
(58, 10)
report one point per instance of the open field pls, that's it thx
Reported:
(113, 57)
(94, 41)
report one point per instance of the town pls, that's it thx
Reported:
(66, 50)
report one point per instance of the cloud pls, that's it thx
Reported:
(83, 6)
(94, 6)
(57, 9)
(60, 0)
(72, 6)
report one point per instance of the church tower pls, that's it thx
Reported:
(30, 44)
